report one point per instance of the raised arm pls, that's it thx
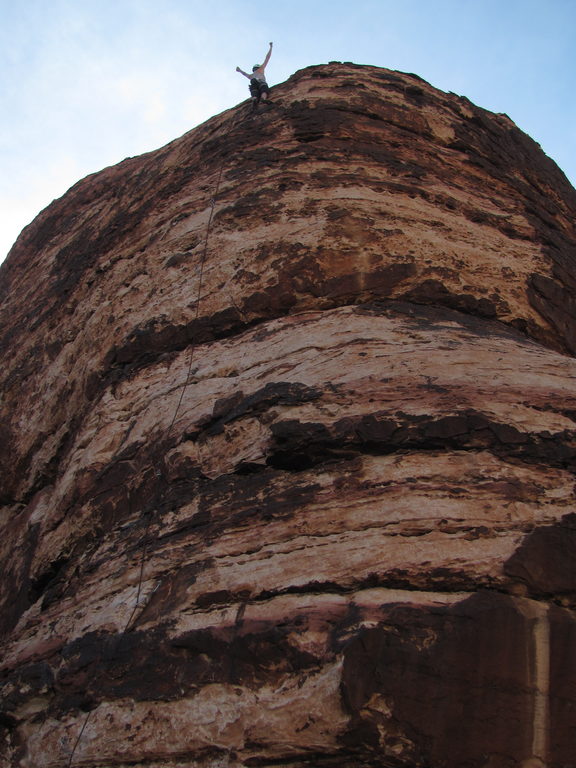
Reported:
(267, 59)
(244, 73)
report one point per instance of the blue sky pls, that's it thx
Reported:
(86, 83)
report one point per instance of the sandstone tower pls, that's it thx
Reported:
(288, 444)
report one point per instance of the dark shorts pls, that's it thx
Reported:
(257, 88)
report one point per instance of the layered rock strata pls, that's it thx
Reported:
(288, 445)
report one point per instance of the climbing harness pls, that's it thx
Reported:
(258, 87)
(158, 472)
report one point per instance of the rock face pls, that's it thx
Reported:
(288, 445)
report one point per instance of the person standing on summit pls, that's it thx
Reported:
(258, 86)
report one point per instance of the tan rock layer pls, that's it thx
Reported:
(327, 515)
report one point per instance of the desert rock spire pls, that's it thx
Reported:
(288, 445)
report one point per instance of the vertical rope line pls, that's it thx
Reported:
(145, 540)
(189, 372)
(143, 558)
(197, 314)
(84, 724)
(201, 278)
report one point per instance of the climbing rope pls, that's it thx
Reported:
(79, 738)
(158, 473)
(190, 363)
(197, 315)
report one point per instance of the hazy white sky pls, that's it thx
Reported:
(86, 83)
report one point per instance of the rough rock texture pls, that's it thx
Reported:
(288, 445)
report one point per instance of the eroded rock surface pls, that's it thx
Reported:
(288, 445)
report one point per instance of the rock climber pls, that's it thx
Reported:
(258, 86)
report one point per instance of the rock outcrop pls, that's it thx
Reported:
(288, 445)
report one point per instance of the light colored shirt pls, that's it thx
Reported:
(259, 75)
